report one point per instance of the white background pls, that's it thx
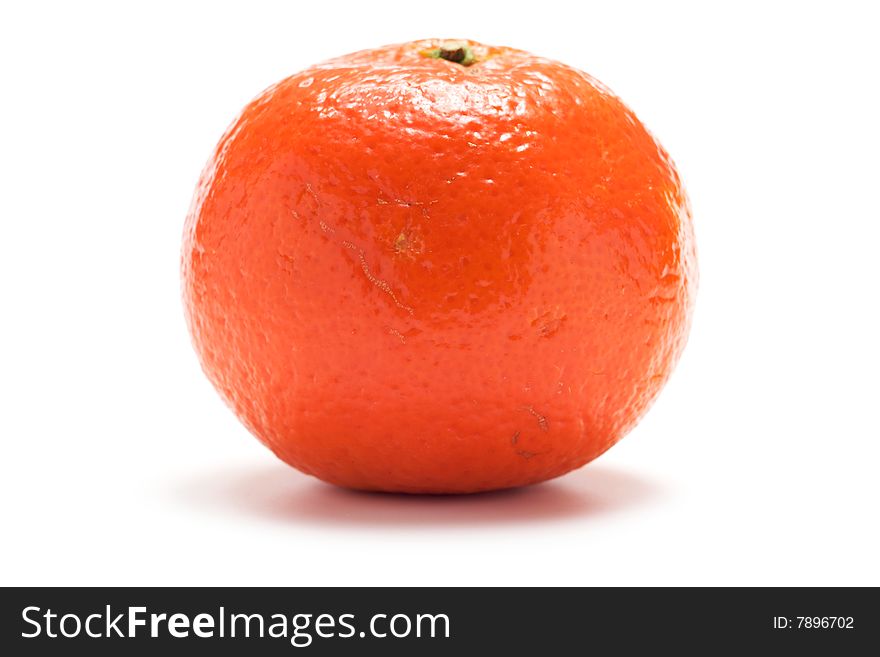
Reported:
(757, 465)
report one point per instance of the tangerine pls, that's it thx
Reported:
(438, 267)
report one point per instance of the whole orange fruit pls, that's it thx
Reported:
(438, 267)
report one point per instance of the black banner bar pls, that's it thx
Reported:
(403, 621)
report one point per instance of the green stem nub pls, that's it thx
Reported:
(457, 53)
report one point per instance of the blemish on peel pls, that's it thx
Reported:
(400, 336)
(542, 421)
(311, 191)
(548, 323)
(378, 282)
(659, 299)
(403, 203)
(514, 438)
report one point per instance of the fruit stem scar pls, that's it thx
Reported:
(458, 53)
